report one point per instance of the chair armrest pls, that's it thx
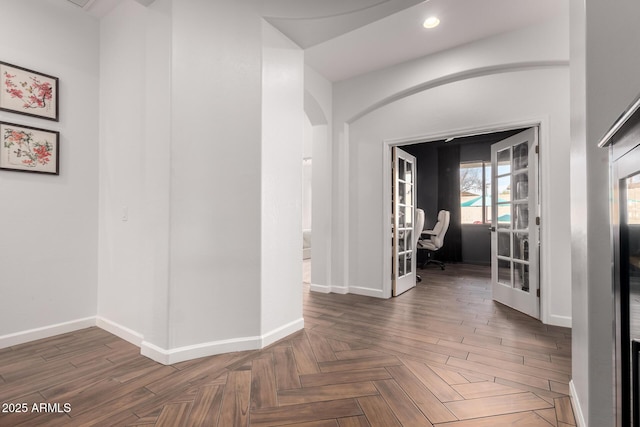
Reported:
(429, 232)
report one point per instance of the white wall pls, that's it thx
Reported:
(135, 52)
(448, 93)
(318, 108)
(206, 156)
(604, 81)
(282, 133)
(48, 249)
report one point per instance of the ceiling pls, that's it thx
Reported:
(346, 38)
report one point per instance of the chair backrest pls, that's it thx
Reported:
(418, 226)
(440, 229)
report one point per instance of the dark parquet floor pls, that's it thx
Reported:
(443, 354)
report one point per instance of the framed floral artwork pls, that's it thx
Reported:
(28, 92)
(29, 149)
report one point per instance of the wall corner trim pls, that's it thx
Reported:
(120, 331)
(22, 337)
(180, 354)
(577, 409)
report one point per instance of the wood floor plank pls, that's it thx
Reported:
(443, 391)
(314, 380)
(484, 389)
(327, 392)
(378, 413)
(522, 419)
(305, 359)
(235, 400)
(286, 370)
(357, 364)
(174, 415)
(360, 421)
(206, 407)
(424, 399)
(404, 409)
(564, 412)
(305, 413)
(496, 405)
(263, 383)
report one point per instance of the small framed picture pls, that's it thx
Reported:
(28, 92)
(29, 149)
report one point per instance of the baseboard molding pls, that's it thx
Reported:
(377, 293)
(180, 354)
(563, 321)
(120, 331)
(329, 289)
(282, 332)
(46, 332)
(577, 409)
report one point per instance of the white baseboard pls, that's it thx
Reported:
(180, 354)
(46, 332)
(564, 321)
(577, 409)
(320, 288)
(282, 332)
(377, 293)
(120, 331)
(342, 290)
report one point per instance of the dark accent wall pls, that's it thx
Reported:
(476, 238)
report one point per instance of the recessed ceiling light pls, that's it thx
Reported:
(431, 22)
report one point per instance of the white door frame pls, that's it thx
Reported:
(542, 122)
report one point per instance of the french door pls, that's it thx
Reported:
(515, 233)
(404, 205)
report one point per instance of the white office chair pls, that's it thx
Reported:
(417, 230)
(436, 238)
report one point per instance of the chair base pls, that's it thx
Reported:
(433, 261)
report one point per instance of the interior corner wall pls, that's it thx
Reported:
(604, 81)
(135, 55)
(48, 249)
(282, 151)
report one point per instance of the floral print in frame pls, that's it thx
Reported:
(28, 92)
(28, 149)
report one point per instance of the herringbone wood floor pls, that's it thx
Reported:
(441, 355)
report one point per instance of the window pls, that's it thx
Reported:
(475, 192)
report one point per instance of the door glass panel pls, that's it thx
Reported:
(408, 268)
(521, 246)
(401, 168)
(408, 216)
(504, 272)
(504, 162)
(521, 216)
(504, 216)
(632, 227)
(521, 181)
(401, 270)
(408, 172)
(521, 156)
(401, 218)
(504, 189)
(402, 193)
(504, 244)
(408, 241)
(408, 193)
(521, 276)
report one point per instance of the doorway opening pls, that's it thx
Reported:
(494, 205)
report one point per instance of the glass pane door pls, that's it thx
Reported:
(404, 263)
(515, 237)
